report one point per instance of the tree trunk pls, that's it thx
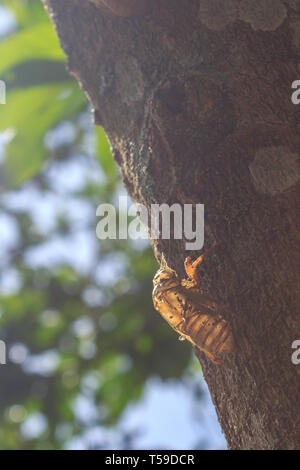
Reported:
(195, 97)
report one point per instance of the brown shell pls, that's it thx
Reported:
(191, 313)
(124, 8)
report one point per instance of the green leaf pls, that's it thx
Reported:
(104, 155)
(35, 72)
(37, 42)
(30, 114)
(27, 12)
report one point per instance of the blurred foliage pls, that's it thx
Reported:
(76, 326)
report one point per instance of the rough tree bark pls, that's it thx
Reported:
(195, 96)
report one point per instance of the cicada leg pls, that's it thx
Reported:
(211, 356)
(191, 266)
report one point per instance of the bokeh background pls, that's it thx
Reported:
(90, 364)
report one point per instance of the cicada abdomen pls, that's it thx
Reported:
(210, 333)
(191, 313)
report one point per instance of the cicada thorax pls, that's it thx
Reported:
(191, 313)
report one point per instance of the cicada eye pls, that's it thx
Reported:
(164, 275)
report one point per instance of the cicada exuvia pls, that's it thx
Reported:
(190, 312)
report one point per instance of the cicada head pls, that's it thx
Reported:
(165, 282)
(165, 295)
(165, 276)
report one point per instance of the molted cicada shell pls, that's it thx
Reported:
(190, 312)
